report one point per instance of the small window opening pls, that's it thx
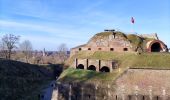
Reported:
(111, 49)
(99, 48)
(79, 49)
(125, 49)
(89, 48)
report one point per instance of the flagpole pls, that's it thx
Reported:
(133, 22)
(132, 27)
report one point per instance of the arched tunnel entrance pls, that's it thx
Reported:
(105, 69)
(156, 47)
(80, 66)
(92, 67)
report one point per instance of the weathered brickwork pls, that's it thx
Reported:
(117, 42)
(96, 65)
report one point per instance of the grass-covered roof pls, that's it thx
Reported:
(136, 40)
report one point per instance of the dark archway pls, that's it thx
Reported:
(92, 67)
(80, 66)
(156, 47)
(105, 69)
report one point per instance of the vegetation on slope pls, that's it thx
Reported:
(145, 60)
(138, 43)
(72, 75)
(135, 40)
(102, 35)
(125, 61)
(21, 81)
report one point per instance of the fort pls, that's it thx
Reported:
(119, 42)
(113, 65)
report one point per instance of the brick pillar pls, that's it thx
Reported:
(76, 62)
(110, 69)
(98, 67)
(87, 63)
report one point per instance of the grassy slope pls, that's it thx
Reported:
(87, 76)
(126, 60)
(145, 60)
(20, 80)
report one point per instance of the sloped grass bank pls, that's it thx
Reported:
(129, 60)
(72, 75)
(125, 61)
(21, 81)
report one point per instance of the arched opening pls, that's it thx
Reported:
(79, 49)
(156, 47)
(92, 67)
(105, 69)
(80, 66)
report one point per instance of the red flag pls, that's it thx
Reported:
(132, 20)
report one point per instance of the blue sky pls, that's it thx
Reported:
(48, 23)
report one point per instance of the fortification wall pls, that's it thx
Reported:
(134, 84)
(145, 80)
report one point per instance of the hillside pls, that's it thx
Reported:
(21, 80)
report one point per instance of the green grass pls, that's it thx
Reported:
(145, 60)
(87, 76)
(125, 61)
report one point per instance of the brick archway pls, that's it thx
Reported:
(105, 69)
(92, 67)
(80, 66)
(155, 46)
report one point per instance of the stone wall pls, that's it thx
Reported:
(134, 84)
(93, 92)
(109, 43)
(144, 81)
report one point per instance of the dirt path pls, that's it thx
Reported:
(47, 92)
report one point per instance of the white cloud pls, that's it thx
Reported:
(61, 31)
(53, 35)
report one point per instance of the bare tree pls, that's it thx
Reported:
(3, 51)
(62, 52)
(9, 42)
(26, 48)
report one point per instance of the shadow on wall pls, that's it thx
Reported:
(57, 69)
(78, 92)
